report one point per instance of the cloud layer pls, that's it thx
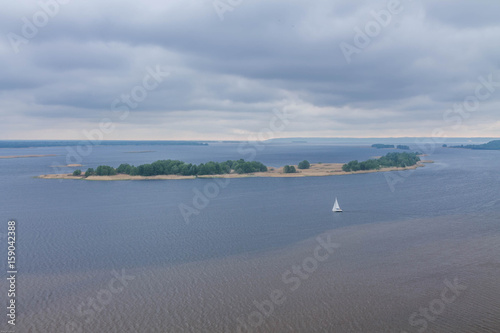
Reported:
(342, 68)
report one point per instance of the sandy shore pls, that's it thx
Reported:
(24, 156)
(316, 170)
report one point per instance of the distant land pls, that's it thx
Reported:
(63, 143)
(466, 142)
(388, 140)
(382, 145)
(26, 156)
(492, 145)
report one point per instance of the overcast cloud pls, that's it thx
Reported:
(65, 73)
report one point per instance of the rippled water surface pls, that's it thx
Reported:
(121, 257)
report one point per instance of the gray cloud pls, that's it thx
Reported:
(229, 75)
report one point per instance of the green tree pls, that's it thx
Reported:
(352, 166)
(89, 172)
(134, 171)
(124, 168)
(105, 170)
(304, 165)
(145, 170)
(77, 172)
(184, 170)
(289, 169)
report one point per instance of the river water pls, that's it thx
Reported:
(124, 256)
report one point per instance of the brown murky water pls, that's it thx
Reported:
(422, 275)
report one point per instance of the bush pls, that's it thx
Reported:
(304, 165)
(77, 172)
(289, 169)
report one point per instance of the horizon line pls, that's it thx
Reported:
(280, 138)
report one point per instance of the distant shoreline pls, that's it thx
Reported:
(492, 145)
(26, 156)
(316, 170)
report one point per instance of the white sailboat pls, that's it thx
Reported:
(336, 207)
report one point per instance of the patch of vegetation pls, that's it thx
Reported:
(304, 165)
(175, 167)
(289, 169)
(77, 172)
(89, 172)
(105, 170)
(389, 160)
(403, 147)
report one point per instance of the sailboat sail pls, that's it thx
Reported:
(336, 207)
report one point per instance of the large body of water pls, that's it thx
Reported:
(402, 238)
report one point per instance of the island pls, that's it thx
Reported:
(173, 169)
(492, 145)
(382, 146)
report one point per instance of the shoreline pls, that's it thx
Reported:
(26, 156)
(316, 170)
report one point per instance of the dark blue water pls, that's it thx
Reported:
(72, 225)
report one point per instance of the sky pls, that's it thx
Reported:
(243, 69)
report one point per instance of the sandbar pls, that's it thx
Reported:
(139, 152)
(67, 165)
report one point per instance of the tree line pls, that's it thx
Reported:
(389, 160)
(302, 165)
(175, 167)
